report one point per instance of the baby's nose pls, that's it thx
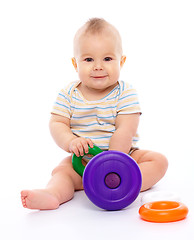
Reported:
(98, 65)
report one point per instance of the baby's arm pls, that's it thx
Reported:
(126, 128)
(64, 137)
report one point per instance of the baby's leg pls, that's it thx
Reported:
(60, 188)
(153, 166)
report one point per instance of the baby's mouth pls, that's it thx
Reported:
(99, 77)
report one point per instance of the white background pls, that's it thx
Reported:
(35, 63)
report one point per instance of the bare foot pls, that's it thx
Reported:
(39, 199)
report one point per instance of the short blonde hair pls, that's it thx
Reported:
(95, 26)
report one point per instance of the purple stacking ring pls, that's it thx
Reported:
(112, 180)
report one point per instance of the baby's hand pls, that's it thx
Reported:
(79, 146)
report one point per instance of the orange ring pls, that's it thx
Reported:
(163, 211)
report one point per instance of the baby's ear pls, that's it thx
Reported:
(123, 59)
(74, 63)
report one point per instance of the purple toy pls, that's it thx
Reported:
(112, 180)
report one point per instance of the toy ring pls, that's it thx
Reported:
(77, 161)
(111, 179)
(163, 211)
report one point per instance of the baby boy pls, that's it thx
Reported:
(97, 109)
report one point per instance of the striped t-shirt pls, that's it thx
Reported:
(96, 119)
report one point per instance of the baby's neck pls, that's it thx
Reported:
(95, 94)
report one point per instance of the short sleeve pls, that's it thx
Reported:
(128, 102)
(62, 104)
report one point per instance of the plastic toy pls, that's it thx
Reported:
(112, 179)
(163, 211)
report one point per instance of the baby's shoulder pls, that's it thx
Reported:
(70, 88)
(125, 86)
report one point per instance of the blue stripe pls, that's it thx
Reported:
(86, 131)
(64, 97)
(118, 94)
(135, 140)
(71, 88)
(62, 105)
(128, 105)
(101, 137)
(77, 99)
(123, 85)
(103, 147)
(133, 94)
(92, 124)
(92, 108)
(88, 116)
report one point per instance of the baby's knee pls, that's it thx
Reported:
(58, 169)
(64, 167)
(162, 163)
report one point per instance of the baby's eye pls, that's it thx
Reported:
(88, 59)
(107, 59)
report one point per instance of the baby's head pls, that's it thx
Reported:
(97, 26)
(98, 54)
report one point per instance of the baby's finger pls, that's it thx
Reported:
(85, 146)
(90, 143)
(75, 151)
(80, 149)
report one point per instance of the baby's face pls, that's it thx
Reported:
(98, 60)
